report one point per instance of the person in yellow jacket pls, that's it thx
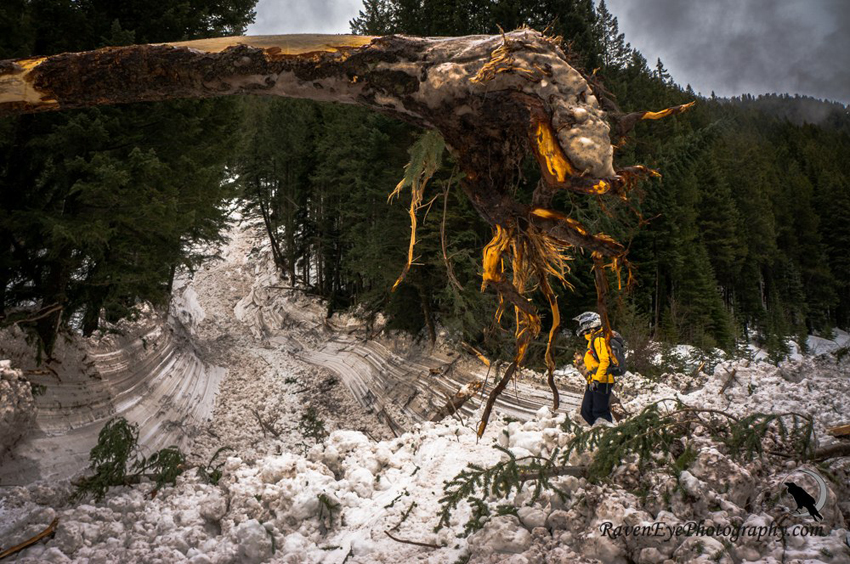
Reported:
(596, 403)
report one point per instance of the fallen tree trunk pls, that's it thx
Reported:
(488, 96)
(834, 451)
(494, 99)
(840, 431)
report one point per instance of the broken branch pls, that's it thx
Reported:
(29, 542)
(416, 543)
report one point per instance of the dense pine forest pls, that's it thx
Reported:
(100, 207)
(745, 237)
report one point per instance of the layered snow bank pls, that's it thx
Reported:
(145, 370)
(342, 499)
(820, 345)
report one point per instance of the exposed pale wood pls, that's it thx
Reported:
(729, 380)
(840, 431)
(294, 44)
(457, 401)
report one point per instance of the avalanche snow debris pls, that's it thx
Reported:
(281, 499)
(272, 503)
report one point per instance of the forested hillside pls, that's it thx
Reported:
(99, 207)
(745, 236)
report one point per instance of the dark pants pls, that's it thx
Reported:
(596, 403)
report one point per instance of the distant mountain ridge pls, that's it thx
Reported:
(797, 109)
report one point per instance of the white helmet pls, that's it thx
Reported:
(587, 321)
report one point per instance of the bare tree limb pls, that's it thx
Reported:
(834, 451)
(265, 425)
(425, 544)
(457, 401)
(29, 542)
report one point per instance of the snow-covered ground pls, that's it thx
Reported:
(287, 497)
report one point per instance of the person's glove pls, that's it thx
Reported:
(578, 360)
(594, 385)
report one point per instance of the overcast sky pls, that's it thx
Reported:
(728, 46)
(304, 16)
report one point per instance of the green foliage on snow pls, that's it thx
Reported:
(657, 438)
(117, 461)
(328, 509)
(211, 473)
(312, 426)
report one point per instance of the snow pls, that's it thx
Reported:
(820, 346)
(187, 308)
(268, 506)
(17, 406)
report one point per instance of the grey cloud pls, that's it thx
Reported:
(737, 46)
(304, 16)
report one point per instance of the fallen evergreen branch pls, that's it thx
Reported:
(745, 438)
(404, 516)
(116, 461)
(164, 465)
(311, 426)
(212, 472)
(656, 428)
(475, 483)
(660, 427)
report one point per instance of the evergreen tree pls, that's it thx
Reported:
(100, 207)
(614, 49)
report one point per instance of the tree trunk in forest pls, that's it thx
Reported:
(5, 275)
(494, 99)
(53, 292)
(97, 297)
(425, 300)
(270, 230)
(91, 317)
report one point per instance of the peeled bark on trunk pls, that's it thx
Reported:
(494, 99)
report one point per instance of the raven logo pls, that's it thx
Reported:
(803, 499)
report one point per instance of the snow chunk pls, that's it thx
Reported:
(532, 517)
(724, 475)
(502, 534)
(213, 507)
(255, 544)
(17, 406)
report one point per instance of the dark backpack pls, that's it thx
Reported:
(618, 351)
